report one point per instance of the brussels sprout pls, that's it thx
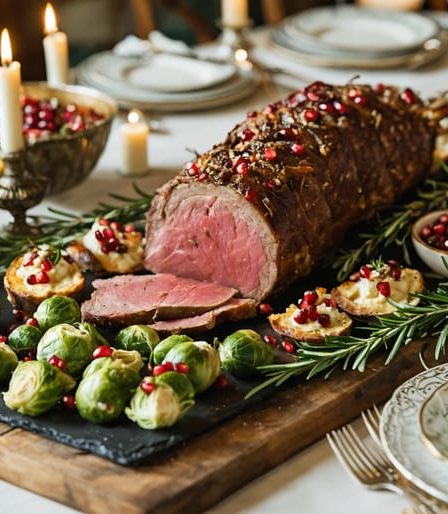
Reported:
(243, 351)
(105, 389)
(24, 338)
(202, 360)
(126, 360)
(138, 337)
(97, 338)
(56, 310)
(36, 387)
(73, 344)
(165, 346)
(8, 362)
(179, 382)
(161, 408)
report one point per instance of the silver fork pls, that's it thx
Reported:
(369, 467)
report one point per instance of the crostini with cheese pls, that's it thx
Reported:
(369, 291)
(109, 247)
(40, 273)
(314, 318)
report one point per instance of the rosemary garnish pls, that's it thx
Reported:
(59, 228)
(395, 229)
(392, 332)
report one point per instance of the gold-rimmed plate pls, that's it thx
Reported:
(433, 418)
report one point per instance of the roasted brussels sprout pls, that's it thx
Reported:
(165, 346)
(179, 382)
(97, 338)
(24, 338)
(141, 338)
(56, 310)
(8, 362)
(201, 359)
(162, 405)
(105, 388)
(73, 344)
(36, 386)
(243, 351)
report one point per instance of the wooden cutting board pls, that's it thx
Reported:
(212, 466)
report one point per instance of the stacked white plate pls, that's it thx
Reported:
(165, 82)
(350, 36)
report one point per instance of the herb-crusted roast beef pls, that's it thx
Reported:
(259, 210)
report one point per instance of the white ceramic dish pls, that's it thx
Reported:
(434, 422)
(401, 435)
(431, 256)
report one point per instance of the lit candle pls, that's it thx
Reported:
(55, 49)
(235, 13)
(134, 142)
(11, 118)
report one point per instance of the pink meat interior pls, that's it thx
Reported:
(213, 237)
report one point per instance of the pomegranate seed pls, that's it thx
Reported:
(271, 108)
(169, 366)
(360, 100)
(103, 222)
(393, 263)
(159, 370)
(55, 361)
(265, 309)
(115, 225)
(99, 236)
(69, 401)
(301, 317)
(248, 135)
(105, 248)
(326, 107)
(297, 149)
(270, 184)
(129, 228)
(102, 351)
(19, 316)
(250, 194)
(42, 278)
(310, 115)
(46, 265)
(32, 322)
(242, 168)
(312, 96)
(3, 339)
(395, 273)
(444, 219)
(108, 233)
(445, 245)
(222, 382)
(340, 107)
(324, 320)
(439, 229)
(287, 346)
(408, 96)
(147, 387)
(27, 358)
(312, 313)
(31, 259)
(353, 93)
(270, 154)
(192, 169)
(365, 271)
(383, 288)
(380, 88)
(310, 297)
(329, 302)
(252, 114)
(181, 367)
(31, 280)
(121, 248)
(272, 340)
(203, 176)
(286, 133)
(426, 232)
(354, 277)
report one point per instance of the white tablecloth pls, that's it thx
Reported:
(312, 482)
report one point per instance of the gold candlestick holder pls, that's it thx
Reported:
(20, 189)
(234, 43)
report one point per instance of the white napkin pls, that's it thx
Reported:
(133, 46)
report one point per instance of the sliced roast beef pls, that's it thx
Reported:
(259, 210)
(128, 299)
(235, 309)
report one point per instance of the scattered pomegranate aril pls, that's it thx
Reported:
(288, 347)
(426, 232)
(383, 288)
(32, 322)
(42, 277)
(169, 366)
(105, 248)
(329, 302)
(297, 148)
(99, 236)
(271, 340)
(222, 382)
(354, 277)
(46, 265)
(340, 107)
(31, 280)
(3, 339)
(108, 233)
(265, 309)
(393, 263)
(379, 88)
(360, 100)
(115, 225)
(102, 351)
(181, 367)
(408, 96)
(270, 184)
(312, 313)
(395, 273)
(365, 271)
(55, 361)
(247, 135)
(27, 358)
(353, 93)
(270, 154)
(147, 387)
(19, 315)
(310, 297)
(242, 167)
(128, 229)
(159, 370)
(31, 259)
(324, 320)
(103, 222)
(301, 317)
(439, 229)
(252, 114)
(250, 194)
(326, 107)
(271, 108)
(310, 115)
(69, 401)
(192, 169)
(202, 176)
(443, 219)
(286, 133)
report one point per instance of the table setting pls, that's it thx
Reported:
(163, 329)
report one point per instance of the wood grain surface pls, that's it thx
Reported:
(212, 466)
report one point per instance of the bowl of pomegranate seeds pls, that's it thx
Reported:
(66, 130)
(430, 239)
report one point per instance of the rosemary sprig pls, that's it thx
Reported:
(58, 228)
(395, 229)
(408, 322)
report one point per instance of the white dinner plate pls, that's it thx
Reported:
(354, 29)
(401, 434)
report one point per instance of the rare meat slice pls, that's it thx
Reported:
(235, 309)
(129, 299)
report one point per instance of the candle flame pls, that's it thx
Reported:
(6, 50)
(50, 25)
(134, 116)
(241, 56)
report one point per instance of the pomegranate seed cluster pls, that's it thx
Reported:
(313, 307)
(111, 236)
(38, 265)
(382, 275)
(180, 367)
(436, 234)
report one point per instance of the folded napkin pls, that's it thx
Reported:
(133, 46)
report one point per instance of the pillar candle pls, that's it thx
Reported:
(55, 50)
(234, 13)
(11, 117)
(134, 143)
